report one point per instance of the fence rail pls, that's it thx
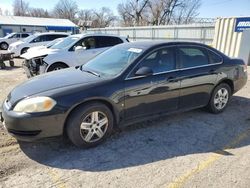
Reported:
(199, 33)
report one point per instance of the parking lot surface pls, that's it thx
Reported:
(191, 149)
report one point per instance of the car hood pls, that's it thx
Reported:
(51, 81)
(17, 43)
(38, 52)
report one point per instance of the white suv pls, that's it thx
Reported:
(72, 51)
(37, 39)
(10, 38)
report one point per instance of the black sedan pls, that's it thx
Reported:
(127, 83)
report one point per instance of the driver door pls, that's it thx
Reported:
(85, 49)
(156, 93)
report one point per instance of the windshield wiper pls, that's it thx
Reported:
(91, 72)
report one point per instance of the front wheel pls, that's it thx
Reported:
(4, 46)
(89, 125)
(220, 98)
(24, 50)
(57, 66)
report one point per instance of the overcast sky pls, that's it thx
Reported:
(209, 8)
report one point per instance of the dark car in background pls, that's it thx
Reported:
(127, 83)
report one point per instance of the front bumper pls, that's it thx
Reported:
(34, 67)
(30, 127)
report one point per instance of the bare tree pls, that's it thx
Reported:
(66, 9)
(39, 12)
(133, 10)
(187, 12)
(162, 11)
(103, 17)
(20, 8)
(158, 12)
(85, 14)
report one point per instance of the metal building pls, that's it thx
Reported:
(9, 24)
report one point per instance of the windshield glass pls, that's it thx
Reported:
(56, 41)
(29, 38)
(113, 61)
(9, 35)
(65, 43)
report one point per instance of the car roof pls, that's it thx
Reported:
(150, 44)
(96, 34)
(53, 33)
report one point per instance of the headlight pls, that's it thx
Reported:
(35, 104)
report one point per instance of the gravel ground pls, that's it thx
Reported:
(192, 149)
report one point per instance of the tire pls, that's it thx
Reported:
(219, 98)
(12, 64)
(89, 125)
(2, 65)
(4, 46)
(57, 66)
(24, 50)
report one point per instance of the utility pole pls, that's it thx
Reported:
(21, 13)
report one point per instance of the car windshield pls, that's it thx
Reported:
(9, 35)
(29, 38)
(113, 61)
(56, 41)
(68, 41)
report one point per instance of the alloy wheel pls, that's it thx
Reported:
(4, 46)
(94, 126)
(221, 98)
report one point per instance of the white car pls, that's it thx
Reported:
(74, 50)
(37, 39)
(10, 38)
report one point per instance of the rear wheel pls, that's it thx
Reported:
(4, 46)
(89, 125)
(220, 98)
(57, 66)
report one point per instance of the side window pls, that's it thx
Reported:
(24, 35)
(41, 38)
(53, 37)
(192, 57)
(106, 41)
(214, 58)
(160, 61)
(88, 43)
(17, 36)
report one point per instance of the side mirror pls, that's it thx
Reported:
(79, 48)
(144, 71)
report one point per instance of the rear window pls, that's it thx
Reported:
(214, 58)
(192, 57)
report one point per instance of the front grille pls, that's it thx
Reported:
(24, 133)
(34, 65)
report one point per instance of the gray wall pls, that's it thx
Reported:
(203, 33)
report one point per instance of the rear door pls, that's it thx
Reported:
(198, 73)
